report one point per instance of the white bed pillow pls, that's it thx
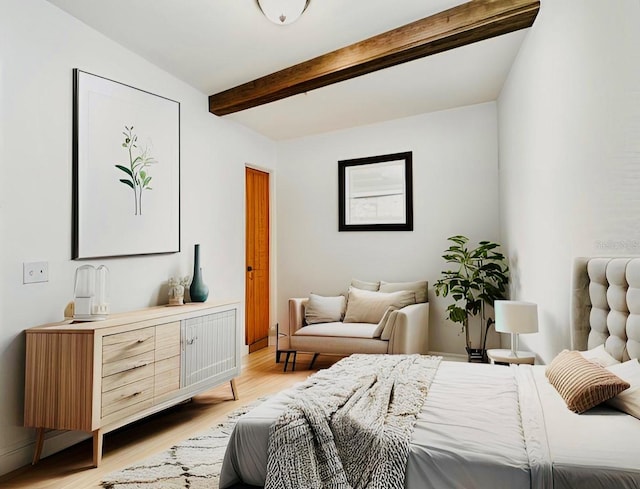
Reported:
(627, 401)
(599, 356)
(364, 306)
(321, 309)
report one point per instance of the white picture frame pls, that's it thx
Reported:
(126, 170)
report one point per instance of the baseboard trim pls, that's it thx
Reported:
(54, 441)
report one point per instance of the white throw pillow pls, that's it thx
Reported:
(365, 306)
(321, 309)
(627, 401)
(420, 288)
(599, 356)
(362, 285)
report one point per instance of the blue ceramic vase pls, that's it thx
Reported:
(198, 290)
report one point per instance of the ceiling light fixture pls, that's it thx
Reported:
(283, 12)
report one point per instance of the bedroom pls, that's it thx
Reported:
(563, 129)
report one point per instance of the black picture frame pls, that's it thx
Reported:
(402, 222)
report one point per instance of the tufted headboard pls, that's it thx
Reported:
(606, 306)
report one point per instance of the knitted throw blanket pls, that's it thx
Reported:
(350, 425)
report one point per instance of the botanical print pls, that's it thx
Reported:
(127, 142)
(139, 179)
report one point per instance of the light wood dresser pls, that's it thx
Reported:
(99, 376)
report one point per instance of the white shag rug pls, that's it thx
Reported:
(192, 464)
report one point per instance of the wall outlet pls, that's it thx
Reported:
(34, 272)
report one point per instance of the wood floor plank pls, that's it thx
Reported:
(72, 468)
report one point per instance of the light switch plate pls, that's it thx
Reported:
(34, 272)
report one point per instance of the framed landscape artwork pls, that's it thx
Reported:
(376, 193)
(126, 170)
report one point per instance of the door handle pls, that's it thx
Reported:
(249, 268)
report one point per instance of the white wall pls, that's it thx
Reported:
(569, 132)
(455, 185)
(39, 47)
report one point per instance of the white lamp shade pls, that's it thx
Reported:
(516, 317)
(283, 12)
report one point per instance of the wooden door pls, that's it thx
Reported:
(257, 260)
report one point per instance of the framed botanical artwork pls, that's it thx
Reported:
(376, 193)
(126, 170)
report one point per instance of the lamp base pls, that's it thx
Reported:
(506, 357)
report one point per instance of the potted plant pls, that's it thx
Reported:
(478, 277)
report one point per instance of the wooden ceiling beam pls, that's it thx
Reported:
(465, 24)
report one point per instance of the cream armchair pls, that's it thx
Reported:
(406, 332)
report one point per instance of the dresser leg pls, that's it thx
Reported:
(234, 390)
(97, 447)
(39, 444)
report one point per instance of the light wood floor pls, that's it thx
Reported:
(72, 468)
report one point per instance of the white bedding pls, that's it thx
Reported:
(470, 435)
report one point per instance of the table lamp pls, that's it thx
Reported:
(516, 317)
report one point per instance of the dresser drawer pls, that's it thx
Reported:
(126, 396)
(167, 376)
(129, 363)
(124, 345)
(167, 340)
(144, 371)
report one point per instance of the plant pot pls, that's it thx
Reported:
(476, 355)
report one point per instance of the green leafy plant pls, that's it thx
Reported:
(478, 278)
(138, 179)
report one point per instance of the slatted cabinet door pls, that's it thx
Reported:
(210, 347)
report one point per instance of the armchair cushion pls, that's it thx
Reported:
(420, 288)
(361, 284)
(386, 318)
(385, 334)
(321, 309)
(338, 329)
(365, 306)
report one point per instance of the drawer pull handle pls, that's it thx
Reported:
(141, 340)
(136, 394)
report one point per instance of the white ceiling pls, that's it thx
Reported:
(217, 44)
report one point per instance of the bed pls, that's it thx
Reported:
(490, 426)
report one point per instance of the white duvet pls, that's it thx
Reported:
(484, 426)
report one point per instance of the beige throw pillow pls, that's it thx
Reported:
(384, 321)
(627, 401)
(321, 309)
(389, 326)
(581, 383)
(420, 288)
(365, 306)
(362, 285)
